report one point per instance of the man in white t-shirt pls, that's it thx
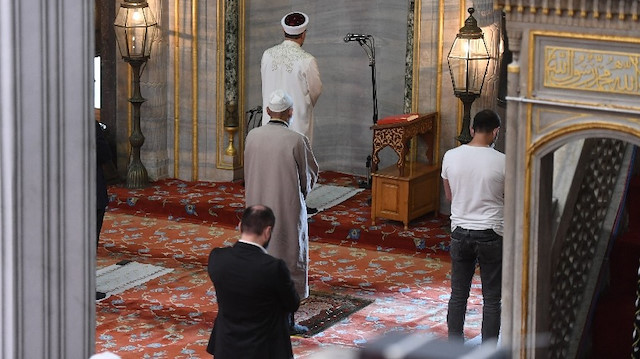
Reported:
(473, 178)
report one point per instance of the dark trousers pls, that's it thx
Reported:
(99, 220)
(469, 247)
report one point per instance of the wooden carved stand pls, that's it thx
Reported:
(403, 192)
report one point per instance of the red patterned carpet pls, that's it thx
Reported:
(348, 223)
(175, 224)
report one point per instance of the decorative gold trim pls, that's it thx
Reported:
(513, 68)
(460, 115)
(608, 67)
(436, 150)
(231, 151)
(530, 73)
(194, 88)
(604, 107)
(526, 242)
(129, 108)
(415, 79)
(569, 35)
(220, 35)
(582, 36)
(239, 162)
(528, 132)
(176, 90)
(570, 116)
(592, 125)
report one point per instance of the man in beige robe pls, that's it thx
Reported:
(288, 67)
(279, 171)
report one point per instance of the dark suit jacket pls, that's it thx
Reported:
(103, 155)
(255, 296)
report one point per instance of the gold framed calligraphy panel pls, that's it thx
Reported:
(585, 69)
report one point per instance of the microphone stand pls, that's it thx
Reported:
(368, 45)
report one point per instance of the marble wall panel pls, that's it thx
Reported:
(207, 140)
(450, 106)
(205, 92)
(344, 112)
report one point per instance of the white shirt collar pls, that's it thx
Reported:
(254, 244)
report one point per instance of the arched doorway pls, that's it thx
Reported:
(568, 81)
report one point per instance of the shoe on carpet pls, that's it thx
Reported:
(100, 295)
(311, 210)
(298, 329)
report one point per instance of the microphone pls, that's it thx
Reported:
(355, 37)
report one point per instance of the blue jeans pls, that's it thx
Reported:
(469, 247)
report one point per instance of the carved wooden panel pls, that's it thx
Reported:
(577, 254)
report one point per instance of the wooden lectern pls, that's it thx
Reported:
(404, 191)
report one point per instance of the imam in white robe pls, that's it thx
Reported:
(288, 67)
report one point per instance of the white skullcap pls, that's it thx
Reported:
(105, 355)
(295, 23)
(280, 101)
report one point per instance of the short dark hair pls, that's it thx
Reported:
(256, 218)
(486, 121)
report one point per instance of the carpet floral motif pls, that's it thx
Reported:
(175, 224)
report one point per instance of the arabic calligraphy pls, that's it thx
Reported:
(590, 70)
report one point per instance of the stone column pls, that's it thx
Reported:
(47, 179)
(511, 267)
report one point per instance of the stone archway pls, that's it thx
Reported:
(552, 258)
(567, 233)
(564, 84)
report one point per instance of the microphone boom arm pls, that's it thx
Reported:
(367, 42)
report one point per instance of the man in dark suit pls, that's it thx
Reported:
(103, 155)
(255, 294)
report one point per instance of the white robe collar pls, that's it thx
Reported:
(277, 121)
